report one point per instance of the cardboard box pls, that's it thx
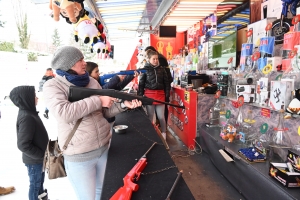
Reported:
(258, 29)
(262, 85)
(280, 94)
(294, 159)
(250, 89)
(248, 98)
(264, 9)
(274, 62)
(274, 8)
(280, 172)
(263, 98)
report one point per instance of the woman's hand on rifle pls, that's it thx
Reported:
(133, 104)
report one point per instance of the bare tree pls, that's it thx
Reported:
(1, 23)
(20, 13)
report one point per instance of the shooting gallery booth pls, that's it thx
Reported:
(236, 86)
(238, 78)
(230, 62)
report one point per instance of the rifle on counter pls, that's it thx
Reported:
(174, 185)
(79, 93)
(125, 192)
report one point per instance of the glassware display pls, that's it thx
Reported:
(223, 119)
(293, 71)
(280, 141)
(239, 119)
(246, 133)
(231, 77)
(214, 112)
(262, 140)
(254, 72)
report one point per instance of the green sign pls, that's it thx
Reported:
(228, 114)
(263, 128)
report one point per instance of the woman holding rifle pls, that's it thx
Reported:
(86, 153)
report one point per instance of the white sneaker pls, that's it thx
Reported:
(164, 135)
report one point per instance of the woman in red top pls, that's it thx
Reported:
(155, 84)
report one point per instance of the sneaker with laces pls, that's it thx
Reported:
(43, 196)
(164, 135)
(6, 190)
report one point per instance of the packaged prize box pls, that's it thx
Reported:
(249, 89)
(281, 172)
(280, 96)
(294, 159)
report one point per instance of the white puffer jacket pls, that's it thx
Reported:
(94, 130)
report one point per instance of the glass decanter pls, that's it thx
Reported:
(254, 72)
(223, 119)
(231, 77)
(293, 71)
(214, 112)
(247, 135)
(262, 140)
(280, 141)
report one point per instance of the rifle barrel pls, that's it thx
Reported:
(174, 185)
(149, 149)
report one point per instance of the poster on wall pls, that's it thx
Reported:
(167, 46)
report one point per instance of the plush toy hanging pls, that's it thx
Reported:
(68, 9)
(97, 47)
(99, 25)
(86, 30)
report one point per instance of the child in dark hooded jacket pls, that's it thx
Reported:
(32, 138)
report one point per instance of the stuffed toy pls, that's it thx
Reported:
(97, 47)
(293, 108)
(85, 30)
(99, 25)
(67, 9)
(229, 133)
(81, 14)
(141, 59)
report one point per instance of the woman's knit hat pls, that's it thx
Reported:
(66, 57)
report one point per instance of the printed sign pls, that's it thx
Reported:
(265, 112)
(267, 44)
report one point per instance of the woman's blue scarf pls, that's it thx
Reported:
(78, 80)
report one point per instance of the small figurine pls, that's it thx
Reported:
(294, 107)
(229, 133)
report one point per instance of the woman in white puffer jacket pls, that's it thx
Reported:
(86, 153)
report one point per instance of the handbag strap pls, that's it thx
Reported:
(72, 133)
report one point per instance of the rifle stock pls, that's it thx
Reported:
(125, 192)
(79, 93)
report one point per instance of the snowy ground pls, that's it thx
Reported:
(15, 71)
(12, 170)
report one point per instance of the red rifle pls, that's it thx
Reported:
(125, 192)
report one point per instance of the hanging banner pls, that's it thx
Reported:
(267, 45)
(247, 49)
(167, 46)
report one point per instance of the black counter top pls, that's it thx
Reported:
(251, 179)
(126, 149)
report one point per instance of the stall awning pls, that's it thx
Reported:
(127, 18)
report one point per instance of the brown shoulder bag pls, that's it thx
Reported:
(54, 159)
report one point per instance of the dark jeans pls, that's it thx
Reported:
(36, 179)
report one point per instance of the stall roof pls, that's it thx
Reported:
(124, 19)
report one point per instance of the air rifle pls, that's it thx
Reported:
(103, 79)
(125, 192)
(79, 93)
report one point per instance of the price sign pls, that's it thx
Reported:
(264, 128)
